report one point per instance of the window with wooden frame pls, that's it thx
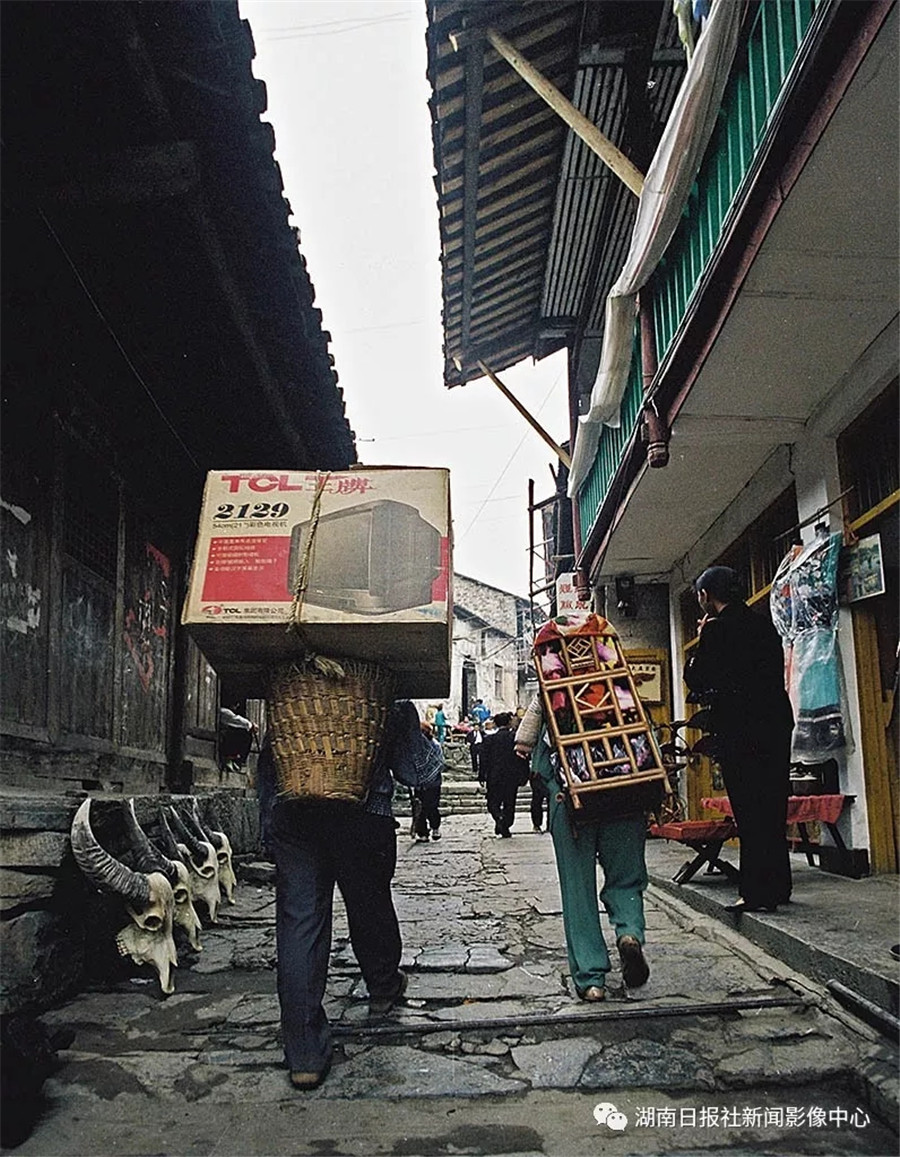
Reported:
(867, 454)
(754, 556)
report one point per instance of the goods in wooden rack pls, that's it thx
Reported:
(605, 753)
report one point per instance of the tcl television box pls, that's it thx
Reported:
(376, 546)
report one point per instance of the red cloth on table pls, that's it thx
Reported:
(801, 809)
(683, 830)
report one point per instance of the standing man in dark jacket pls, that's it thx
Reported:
(737, 670)
(503, 773)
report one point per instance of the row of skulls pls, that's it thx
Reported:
(188, 863)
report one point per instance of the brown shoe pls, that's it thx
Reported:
(592, 994)
(635, 970)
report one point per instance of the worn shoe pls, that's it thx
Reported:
(635, 970)
(593, 994)
(537, 831)
(435, 835)
(379, 1005)
(740, 906)
(307, 1081)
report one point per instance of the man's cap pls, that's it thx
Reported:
(721, 582)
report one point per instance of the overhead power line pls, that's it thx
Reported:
(509, 462)
(332, 27)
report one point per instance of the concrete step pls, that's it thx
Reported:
(459, 797)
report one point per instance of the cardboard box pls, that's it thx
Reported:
(377, 549)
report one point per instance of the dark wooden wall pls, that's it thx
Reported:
(93, 666)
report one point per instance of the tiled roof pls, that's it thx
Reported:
(135, 130)
(533, 226)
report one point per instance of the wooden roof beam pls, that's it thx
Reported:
(474, 81)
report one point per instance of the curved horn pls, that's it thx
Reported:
(102, 868)
(166, 839)
(215, 838)
(187, 837)
(212, 817)
(147, 858)
(192, 820)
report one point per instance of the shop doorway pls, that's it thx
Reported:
(868, 453)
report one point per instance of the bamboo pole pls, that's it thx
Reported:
(576, 120)
(532, 421)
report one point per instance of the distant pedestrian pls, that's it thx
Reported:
(479, 714)
(539, 802)
(503, 773)
(427, 797)
(440, 723)
(474, 737)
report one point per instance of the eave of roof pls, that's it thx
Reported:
(533, 226)
(136, 128)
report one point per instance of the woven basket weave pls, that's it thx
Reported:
(326, 730)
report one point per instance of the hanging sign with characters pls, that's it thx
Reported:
(648, 680)
(567, 600)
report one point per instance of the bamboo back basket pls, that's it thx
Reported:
(326, 728)
(608, 758)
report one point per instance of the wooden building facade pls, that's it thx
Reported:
(158, 322)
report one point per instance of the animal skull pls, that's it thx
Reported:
(185, 913)
(148, 858)
(202, 865)
(224, 854)
(149, 939)
(148, 898)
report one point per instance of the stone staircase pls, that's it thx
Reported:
(461, 793)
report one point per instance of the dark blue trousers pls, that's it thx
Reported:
(315, 846)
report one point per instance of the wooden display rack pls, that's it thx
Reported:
(603, 737)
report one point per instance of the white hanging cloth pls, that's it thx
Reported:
(666, 188)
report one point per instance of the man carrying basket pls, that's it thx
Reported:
(317, 843)
(618, 844)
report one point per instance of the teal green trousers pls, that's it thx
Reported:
(619, 846)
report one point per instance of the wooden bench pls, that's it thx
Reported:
(801, 810)
(705, 838)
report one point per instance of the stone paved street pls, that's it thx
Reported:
(491, 1052)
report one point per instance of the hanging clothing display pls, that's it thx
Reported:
(804, 606)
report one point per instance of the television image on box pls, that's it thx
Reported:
(370, 559)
